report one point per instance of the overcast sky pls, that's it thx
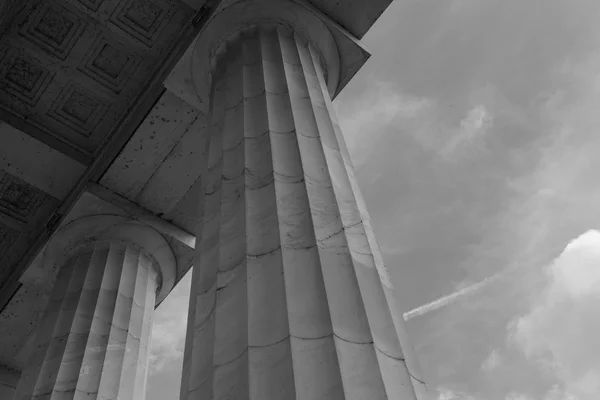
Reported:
(475, 132)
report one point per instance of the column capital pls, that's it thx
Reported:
(340, 53)
(80, 234)
(228, 24)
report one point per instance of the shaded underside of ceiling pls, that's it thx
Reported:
(76, 79)
(70, 70)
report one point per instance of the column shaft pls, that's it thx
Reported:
(290, 296)
(92, 340)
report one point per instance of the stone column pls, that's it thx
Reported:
(93, 339)
(290, 296)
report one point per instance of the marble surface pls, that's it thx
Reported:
(93, 337)
(8, 382)
(151, 170)
(290, 296)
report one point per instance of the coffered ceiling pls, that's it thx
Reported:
(77, 77)
(70, 70)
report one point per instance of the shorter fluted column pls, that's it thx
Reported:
(93, 339)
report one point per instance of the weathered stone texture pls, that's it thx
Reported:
(290, 296)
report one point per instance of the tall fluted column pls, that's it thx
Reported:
(290, 296)
(93, 339)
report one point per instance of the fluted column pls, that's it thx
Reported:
(93, 339)
(290, 296)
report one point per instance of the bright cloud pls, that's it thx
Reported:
(476, 119)
(446, 394)
(562, 329)
(449, 394)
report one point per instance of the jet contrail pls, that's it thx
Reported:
(451, 298)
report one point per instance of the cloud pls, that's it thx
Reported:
(561, 330)
(449, 394)
(559, 197)
(168, 331)
(492, 361)
(549, 148)
(558, 393)
(518, 396)
(371, 116)
(473, 126)
(555, 393)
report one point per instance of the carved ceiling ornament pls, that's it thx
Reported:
(79, 109)
(19, 199)
(22, 76)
